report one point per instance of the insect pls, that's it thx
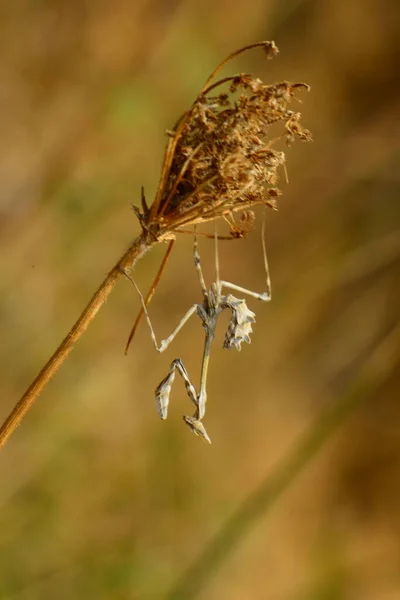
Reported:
(214, 302)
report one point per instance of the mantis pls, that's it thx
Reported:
(214, 302)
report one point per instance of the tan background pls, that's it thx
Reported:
(98, 498)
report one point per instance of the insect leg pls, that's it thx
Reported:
(202, 397)
(197, 427)
(165, 343)
(163, 392)
(265, 296)
(197, 264)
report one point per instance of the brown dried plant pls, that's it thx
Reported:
(220, 160)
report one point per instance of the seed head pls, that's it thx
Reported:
(220, 156)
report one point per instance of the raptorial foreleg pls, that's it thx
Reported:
(163, 393)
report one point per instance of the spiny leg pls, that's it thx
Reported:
(163, 392)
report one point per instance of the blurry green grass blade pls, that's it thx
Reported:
(381, 362)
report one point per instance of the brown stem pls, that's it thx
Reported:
(218, 83)
(270, 45)
(137, 249)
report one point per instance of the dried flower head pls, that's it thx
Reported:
(220, 157)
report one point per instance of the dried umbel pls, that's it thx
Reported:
(220, 157)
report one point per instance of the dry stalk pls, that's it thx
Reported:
(219, 161)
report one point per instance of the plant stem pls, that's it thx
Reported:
(134, 253)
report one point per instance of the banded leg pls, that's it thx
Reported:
(163, 392)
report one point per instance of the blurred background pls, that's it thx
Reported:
(99, 498)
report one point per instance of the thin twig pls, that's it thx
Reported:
(136, 251)
(269, 46)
